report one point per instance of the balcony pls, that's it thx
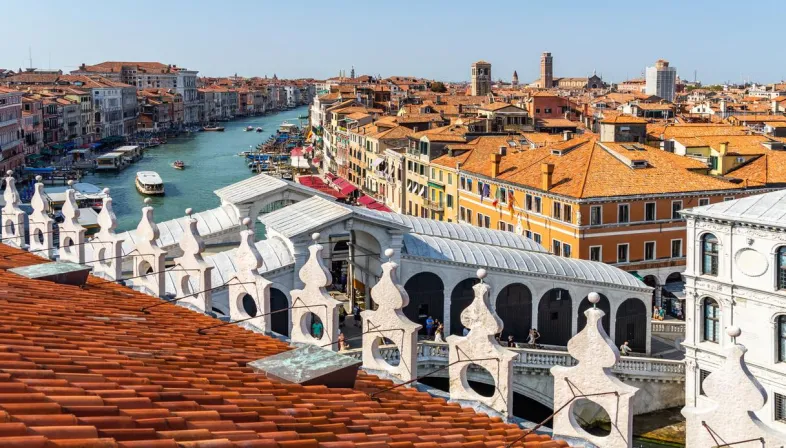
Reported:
(12, 121)
(436, 206)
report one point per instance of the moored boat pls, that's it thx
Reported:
(149, 183)
(213, 129)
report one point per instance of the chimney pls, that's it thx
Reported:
(724, 148)
(546, 174)
(495, 158)
(567, 135)
(503, 150)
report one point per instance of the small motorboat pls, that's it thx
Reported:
(245, 153)
(249, 128)
(179, 165)
(213, 129)
(258, 129)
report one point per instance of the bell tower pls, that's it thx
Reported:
(546, 71)
(481, 78)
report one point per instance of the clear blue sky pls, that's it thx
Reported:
(721, 39)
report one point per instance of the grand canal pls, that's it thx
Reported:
(212, 163)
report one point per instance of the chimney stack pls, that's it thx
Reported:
(503, 150)
(546, 175)
(495, 158)
(567, 135)
(724, 148)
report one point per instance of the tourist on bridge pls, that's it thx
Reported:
(439, 335)
(316, 329)
(430, 327)
(625, 349)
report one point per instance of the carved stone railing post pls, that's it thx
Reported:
(13, 216)
(193, 266)
(72, 234)
(596, 355)
(388, 322)
(248, 281)
(314, 301)
(481, 348)
(147, 257)
(42, 240)
(106, 246)
(734, 395)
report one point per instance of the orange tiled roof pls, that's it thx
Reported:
(623, 119)
(87, 368)
(767, 169)
(671, 130)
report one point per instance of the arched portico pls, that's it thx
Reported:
(555, 319)
(279, 322)
(632, 322)
(426, 298)
(514, 306)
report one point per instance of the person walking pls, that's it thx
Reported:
(625, 349)
(356, 315)
(316, 329)
(429, 328)
(511, 343)
(439, 335)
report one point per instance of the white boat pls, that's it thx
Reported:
(249, 128)
(259, 129)
(149, 183)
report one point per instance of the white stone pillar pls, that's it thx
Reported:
(147, 256)
(41, 225)
(446, 304)
(106, 246)
(13, 216)
(191, 265)
(596, 355)
(72, 234)
(314, 298)
(389, 322)
(735, 395)
(247, 280)
(481, 348)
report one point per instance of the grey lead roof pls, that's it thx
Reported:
(304, 216)
(764, 209)
(483, 255)
(260, 185)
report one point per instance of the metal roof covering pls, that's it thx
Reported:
(765, 209)
(275, 255)
(483, 255)
(304, 216)
(219, 219)
(260, 185)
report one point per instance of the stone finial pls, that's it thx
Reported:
(41, 225)
(193, 281)
(248, 281)
(733, 395)
(13, 217)
(72, 234)
(388, 322)
(481, 348)
(596, 355)
(147, 256)
(314, 298)
(106, 246)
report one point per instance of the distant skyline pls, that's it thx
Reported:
(434, 39)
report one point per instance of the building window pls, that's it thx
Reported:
(433, 173)
(649, 250)
(480, 188)
(536, 237)
(781, 267)
(711, 314)
(547, 110)
(622, 253)
(709, 254)
(782, 338)
(566, 250)
(450, 179)
(556, 247)
(623, 213)
(596, 215)
(528, 234)
(528, 202)
(537, 208)
(729, 198)
(596, 253)
(676, 206)
(511, 228)
(704, 201)
(480, 220)
(780, 407)
(676, 248)
(556, 210)
(703, 374)
(567, 213)
(502, 194)
(450, 201)
(469, 185)
(487, 222)
(650, 211)
(462, 213)
(462, 183)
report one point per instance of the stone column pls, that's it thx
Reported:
(193, 266)
(247, 280)
(107, 248)
(72, 234)
(41, 225)
(13, 217)
(146, 253)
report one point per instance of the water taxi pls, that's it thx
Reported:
(213, 129)
(149, 183)
(249, 128)
(179, 165)
(287, 127)
(259, 129)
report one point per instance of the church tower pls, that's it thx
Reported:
(546, 71)
(515, 80)
(481, 78)
(352, 73)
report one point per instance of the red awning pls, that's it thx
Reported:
(309, 149)
(317, 183)
(330, 176)
(297, 152)
(366, 200)
(372, 204)
(347, 188)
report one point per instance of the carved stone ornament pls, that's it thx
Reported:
(42, 239)
(479, 347)
(313, 303)
(596, 355)
(106, 246)
(726, 417)
(388, 323)
(248, 281)
(13, 216)
(148, 258)
(72, 234)
(193, 281)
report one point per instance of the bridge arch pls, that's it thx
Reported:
(632, 321)
(555, 319)
(460, 298)
(279, 322)
(514, 307)
(426, 298)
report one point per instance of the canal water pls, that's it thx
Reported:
(211, 163)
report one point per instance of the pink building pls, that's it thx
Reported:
(11, 151)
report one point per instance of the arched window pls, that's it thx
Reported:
(782, 267)
(709, 254)
(782, 338)
(711, 313)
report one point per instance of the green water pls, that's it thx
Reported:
(211, 160)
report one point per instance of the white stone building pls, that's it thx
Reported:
(662, 80)
(736, 275)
